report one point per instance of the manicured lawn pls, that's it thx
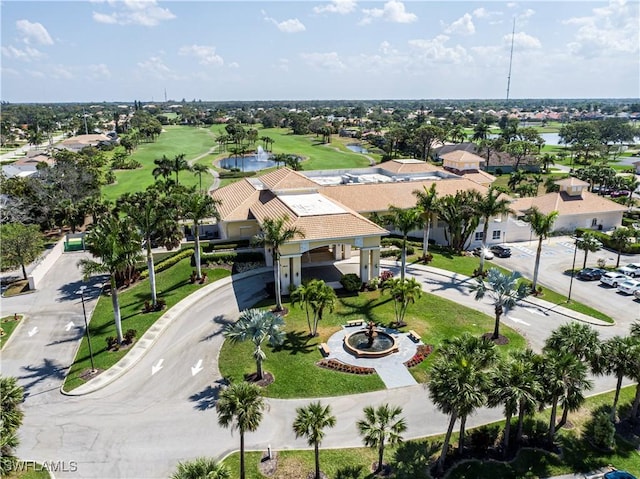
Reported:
(17, 287)
(411, 458)
(172, 284)
(293, 364)
(173, 141)
(8, 325)
(31, 471)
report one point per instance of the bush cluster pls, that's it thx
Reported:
(351, 282)
(345, 368)
(169, 262)
(211, 247)
(230, 257)
(422, 352)
(605, 239)
(236, 174)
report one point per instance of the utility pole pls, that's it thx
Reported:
(513, 34)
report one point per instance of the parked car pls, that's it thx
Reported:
(620, 193)
(629, 286)
(631, 269)
(636, 294)
(619, 475)
(487, 253)
(613, 278)
(501, 251)
(591, 274)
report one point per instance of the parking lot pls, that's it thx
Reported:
(555, 264)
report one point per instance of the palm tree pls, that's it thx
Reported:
(301, 295)
(310, 422)
(241, 407)
(504, 290)
(578, 339)
(635, 334)
(381, 426)
(618, 356)
(196, 207)
(163, 167)
(179, 164)
(489, 206)
(116, 241)
(480, 131)
(11, 397)
(529, 366)
(620, 239)
(274, 234)
(155, 220)
(321, 297)
(200, 169)
(460, 214)
(68, 213)
(458, 382)
(428, 204)
(546, 160)
(588, 243)
(541, 225)
(513, 384)
(404, 220)
(201, 468)
(257, 326)
(403, 292)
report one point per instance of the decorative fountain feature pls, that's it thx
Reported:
(258, 161)
(370, 342)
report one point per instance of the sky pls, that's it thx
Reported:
(126, 50)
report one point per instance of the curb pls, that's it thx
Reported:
(149, 338)
(15, 331)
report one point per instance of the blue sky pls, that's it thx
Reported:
(125, 50)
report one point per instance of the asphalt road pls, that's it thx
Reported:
(144, 423)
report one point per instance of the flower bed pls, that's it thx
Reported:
(423, 351)
(343, 367)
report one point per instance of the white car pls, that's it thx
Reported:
(629, 286)
(636, 294)
(613, 278)
(631, 269)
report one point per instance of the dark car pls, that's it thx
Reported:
(501, 251)
(590, 274)
(619, 475)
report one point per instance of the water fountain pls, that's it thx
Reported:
(258, 161)
(370, 342)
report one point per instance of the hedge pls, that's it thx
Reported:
(605, 239)
(230, 257)
(210, 247)
(169, 262)
(235, 174)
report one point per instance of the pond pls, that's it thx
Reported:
(357, 149)
(258, 161)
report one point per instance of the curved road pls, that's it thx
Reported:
(144, 423)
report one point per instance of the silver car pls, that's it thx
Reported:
(631, 269)
(613, 278)
(629, 286)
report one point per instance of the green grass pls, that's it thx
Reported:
(172, 285)
(17, 287)
(8, 325)
(31, 471)
(175, 140)
(411, 458)
(293, 364)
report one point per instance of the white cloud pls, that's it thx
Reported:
(324, 61)
(336, 6)
(483, 13)
(34, 32)
(393, 11)
(99, 71)
(234, 65)
(9, 72)
(156, 68)
(206, 54)
(528, 13)
(523, 41)
(609, 30)
(292, 25)
(60, 72)
(27, 54)
(134, 12)
(436, 50)
(462, 26)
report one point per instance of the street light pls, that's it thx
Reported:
(86, 327)
(573, 267)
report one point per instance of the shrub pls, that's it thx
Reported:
(169, 262)
(130, 335)
(112, 343)
(384, 276)
(232, 257)
(373, 284)
(351, 282)
(600, 431)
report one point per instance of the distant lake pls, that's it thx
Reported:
(357, 149)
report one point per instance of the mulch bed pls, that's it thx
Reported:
(267, 378)
(500, 341)
(266, 466)
(387, 470)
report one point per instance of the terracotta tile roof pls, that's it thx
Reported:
(287, 179)
(408, 166)
(462, 156)
(568, 205)
(479, 176)
(571, 181)
(236, 198)
(378, 197)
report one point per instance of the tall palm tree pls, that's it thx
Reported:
(201, 468)
(310, 422)
(541, 225)
(458, 382)
(427, 202)
(156, 221)
(492, 204)
(618, 356)
(381, 426)
(200, 169)
(163, 167)
(530, 365)
(11, 397)
(241, 407)
(635, 408)
(274, 234)
(321, 297)
(577, 339)
(116, 242)
(460, 214)
(196, 207)
(403, 292)
(179, 164)
(588, 243)
(405, 221)
(257, 326)
(620, 238)
(300, 295)
(504, 290)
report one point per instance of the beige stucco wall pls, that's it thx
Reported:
(238, 229)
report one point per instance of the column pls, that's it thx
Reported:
(364, 265)
(346, 251)
(375, 262)
(296, 270)
(337, 252)
(285, 274)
